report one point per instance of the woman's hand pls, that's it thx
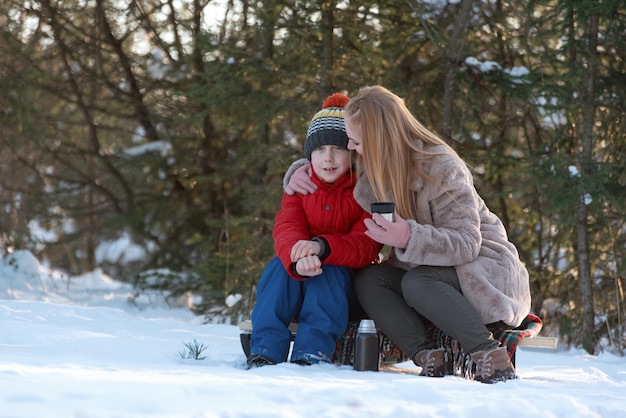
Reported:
(395, 234)
(300, 181)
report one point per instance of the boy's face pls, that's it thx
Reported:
(330, 162)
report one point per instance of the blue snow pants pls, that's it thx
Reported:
(319, 304)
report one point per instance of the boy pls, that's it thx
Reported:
(318, 238)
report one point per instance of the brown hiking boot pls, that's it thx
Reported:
(489, 366)
(434, 363)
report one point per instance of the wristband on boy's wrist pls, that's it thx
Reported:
(325, 248)
(294, 269)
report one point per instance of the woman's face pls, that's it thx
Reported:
(354, 136)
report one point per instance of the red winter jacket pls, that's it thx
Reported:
(331, 213)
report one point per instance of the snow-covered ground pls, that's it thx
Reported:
(76, 347)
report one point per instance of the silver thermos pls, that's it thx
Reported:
(366, 347)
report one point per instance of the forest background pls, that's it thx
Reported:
(168, 124)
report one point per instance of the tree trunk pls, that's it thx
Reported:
(584, 265)
(452, 60)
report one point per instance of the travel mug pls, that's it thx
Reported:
(384, 208)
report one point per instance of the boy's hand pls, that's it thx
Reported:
(300, 181)
(395, 234)
(304, 248)
(309, 266)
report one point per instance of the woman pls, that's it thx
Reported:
(451, 263)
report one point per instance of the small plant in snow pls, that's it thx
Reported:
(193, 350)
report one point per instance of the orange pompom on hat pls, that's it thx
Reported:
(327, 126)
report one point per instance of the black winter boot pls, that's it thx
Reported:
(257, 360)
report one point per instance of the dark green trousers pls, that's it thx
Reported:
(398, 301)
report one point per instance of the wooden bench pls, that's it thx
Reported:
(526, 335)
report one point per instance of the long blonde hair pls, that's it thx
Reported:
(392, 153)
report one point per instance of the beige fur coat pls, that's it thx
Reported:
(453, 227)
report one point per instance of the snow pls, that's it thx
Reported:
(120, 250)
(86, 346)
(163, 148)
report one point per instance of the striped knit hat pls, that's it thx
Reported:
(327, 126)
